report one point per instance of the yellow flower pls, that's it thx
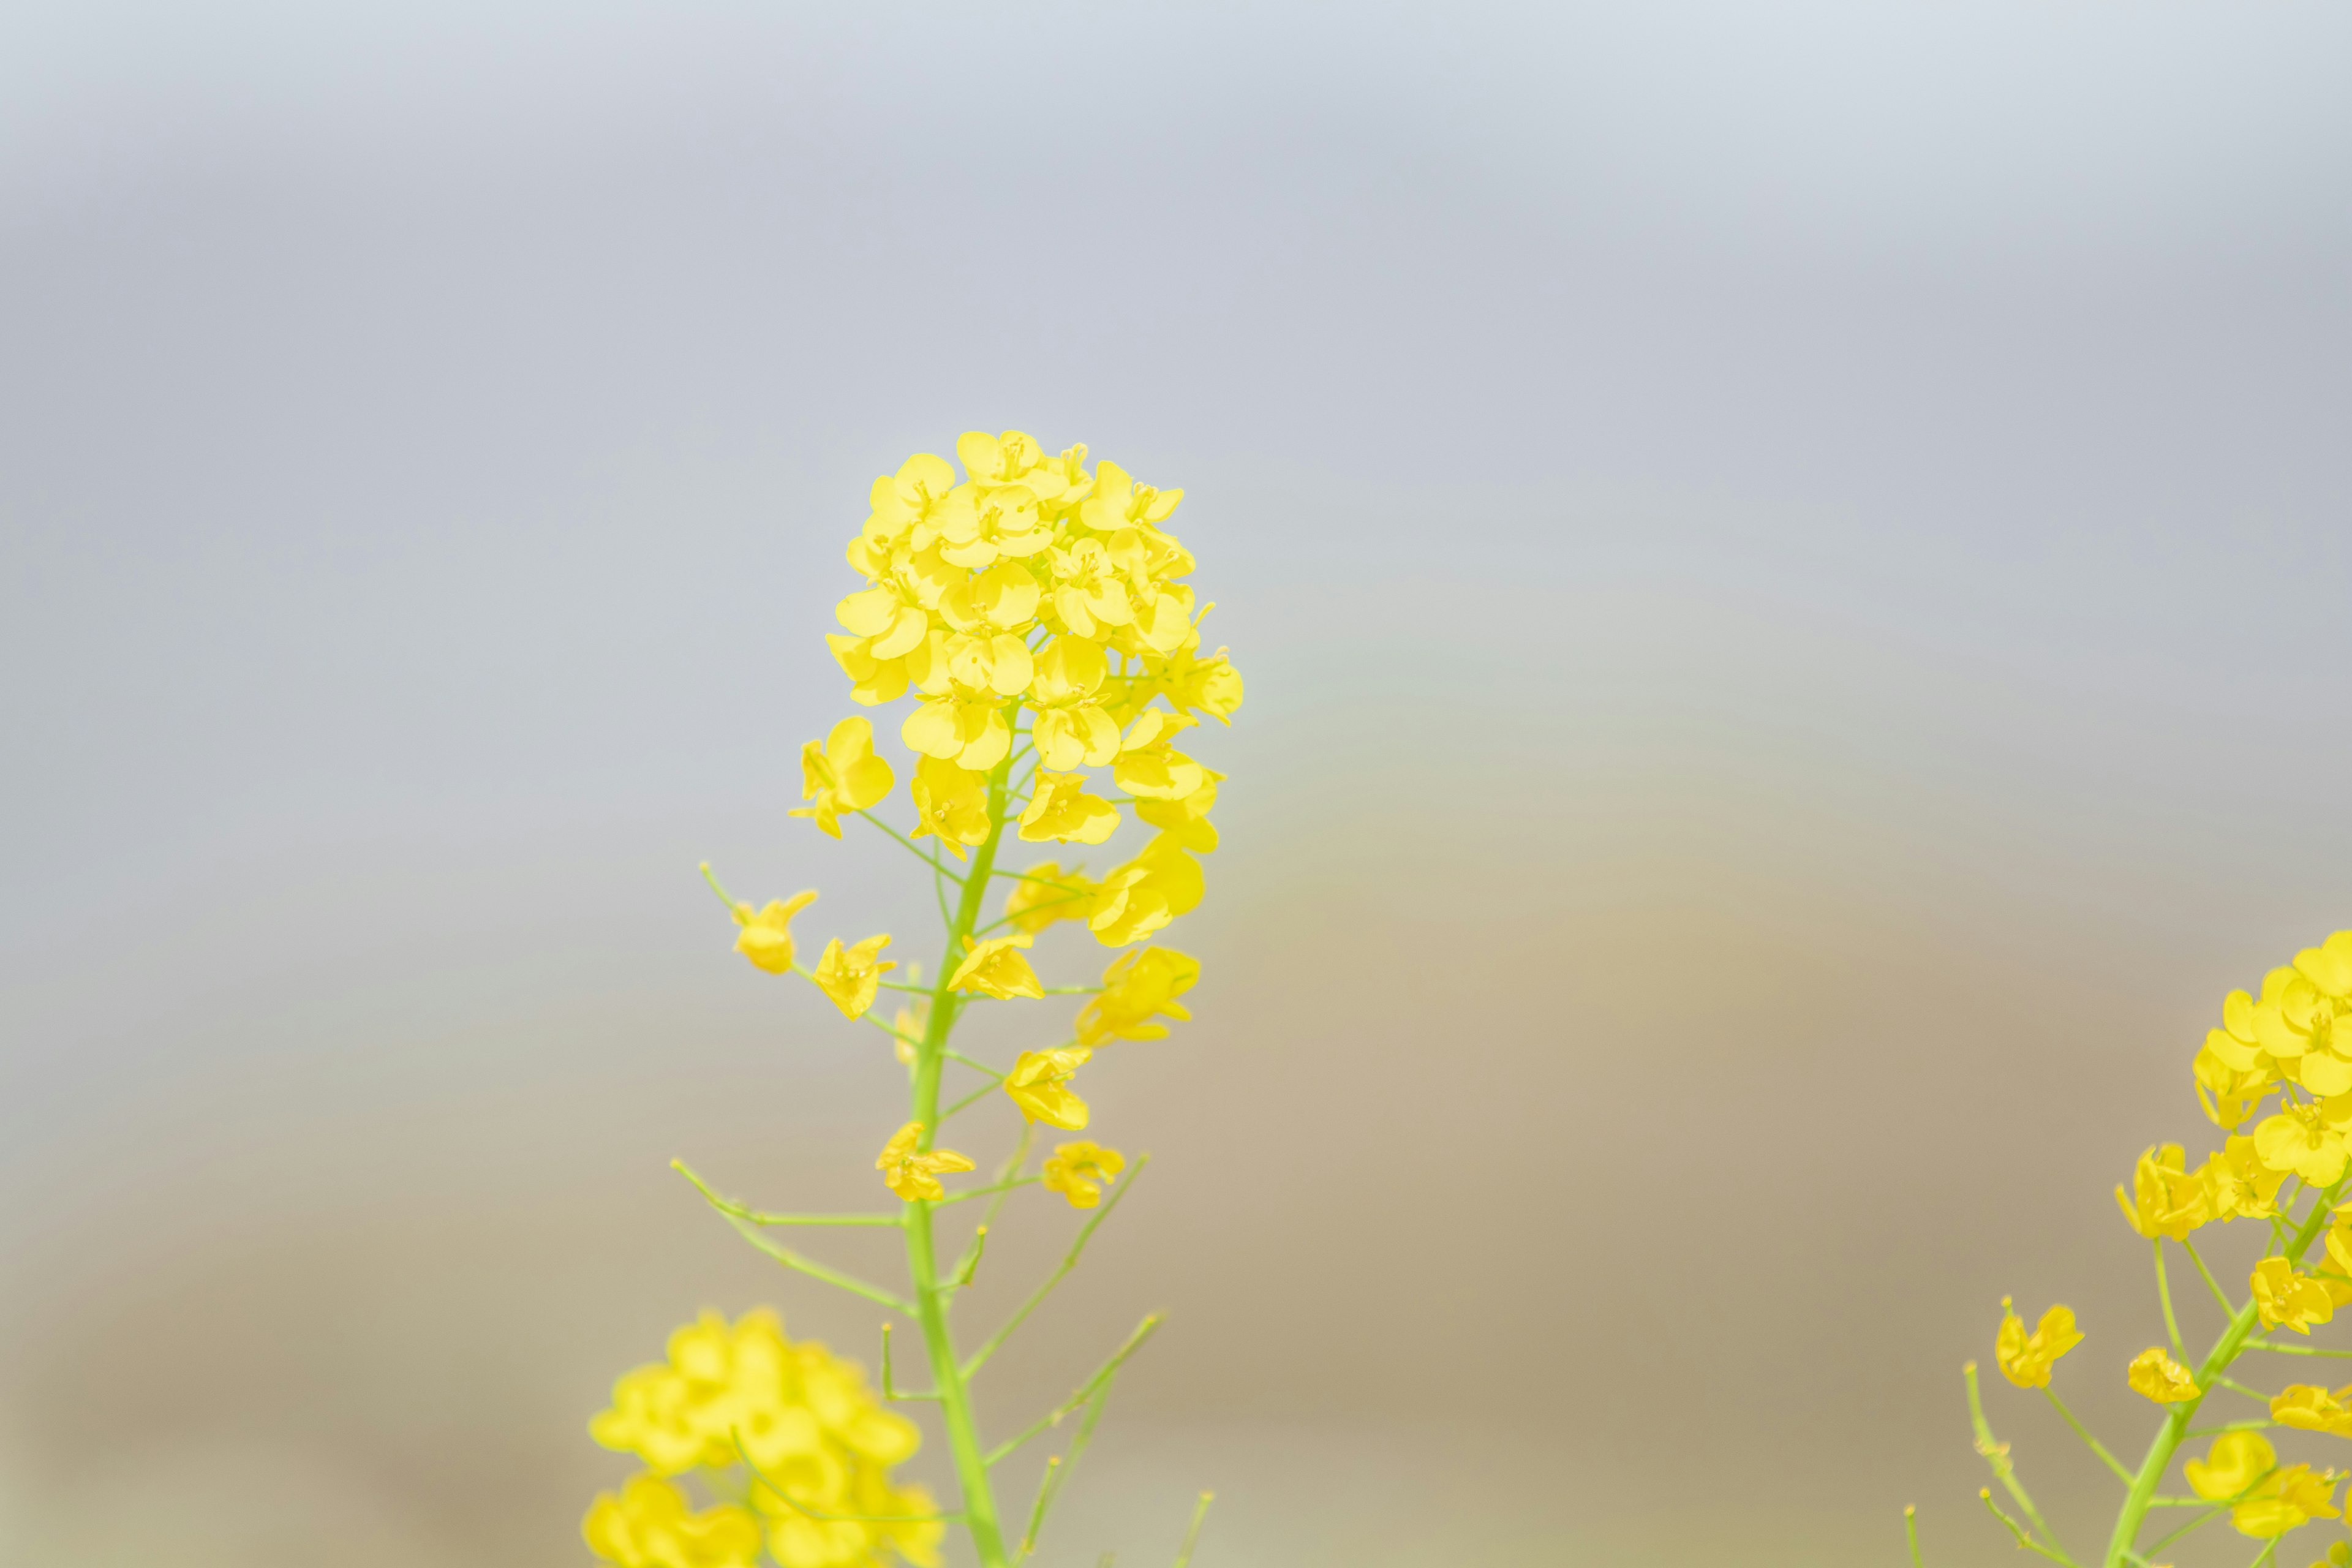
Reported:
(1077, 1170)
(1149, 766)
(2164, 1199)
(1189, 682)
(1186, 818)
(850, 976)
(2287, 1500)
(2310, 1409)
(843, 774)
(1045, 894)
(951, 802)
(912, 1172)
(2237, 1185)
(766, 938)
(1134, 986)
(1073, 728)
(2025, 1360)
(966, 729)
(650, 1524)
(2283, 1296)
(1141, 897)
(2229, 1095)
(1059, 808)
(995, 968)
(2161, 1378)
(1038, 1085)
(2307, 1141)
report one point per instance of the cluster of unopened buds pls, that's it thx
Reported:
(1037, 611)
(2275, 1079)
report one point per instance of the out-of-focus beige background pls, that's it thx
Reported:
(1792, 568)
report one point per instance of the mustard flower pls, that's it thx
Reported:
(2285, 1500)
(1141, 897)
(850, 976)
(2282, 1296)
(1150, 767)
(766, 938)
(1073, 728)
(841, 775)
(2166, 1199)
(2307, 1141)
(650, 1524)
(1185, 819)
(995, 968)
(1078, 1169)
(1059, 808)
(966, 729)
(1136, 986)
(2312, 1409)
(2227, 1095)
(2161, 1378)
(2026, 1359)
(2237, 1185)
(1045, 894)
(951, 802)
(913, 1172)
(1039, 1082)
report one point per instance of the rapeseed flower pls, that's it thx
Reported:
(1045, 894)
(649, 1524)
(766, 938)
(2166, 1199)
(851, 975)
(1136, 986)
(2314, 1409)
(2237, 1185)
(1141, 897)
(1039, 1085)
(913, 1172)
(1077, 1171)
(2283, 1297)
(2026, 1359)
(2235, 1462)
(2285, 1500)
(995, 968)
(951, 802)
(2161, 1378)
(841, 775)
(1061, 809)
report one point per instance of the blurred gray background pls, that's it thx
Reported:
(1793, 569)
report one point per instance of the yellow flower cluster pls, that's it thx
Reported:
(1033, 586)
(818, 1446)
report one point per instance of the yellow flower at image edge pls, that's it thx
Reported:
(767, 935)
(1077, 1171)
(841, 775)
(995, 968)
(1038, 1084)
(650, 1524)
(2310, 1409)
(2026, 1359)
(2269, 1502)
(2160, 1378)
(914, 1173)
(850, 976)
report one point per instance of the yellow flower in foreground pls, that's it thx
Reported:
(2288, 1499)
(2237, 1185)
(951, 802)
(1060, 808)
(1038, 1084)
(850, 974)
(995, 968)
(2301, 1406)
(767, 935)
(843, 774)
(1045, 894)
(2307, 1141)
(2161, 1378)
(1077, 1171)
(2025, 1360)
(2164, 1199)
(914, 1173)
(2235, 1462)
(1134, 986)
(650, 1524)
(2282, 1296)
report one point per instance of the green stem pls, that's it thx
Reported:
(948, 1377)
(2164, 1294)
(2170, 1436)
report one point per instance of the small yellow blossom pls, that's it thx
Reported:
(2234, 1463)
(2161, 1378)
(995, 968)
(2026, 1360)
(841, 775)
(766, 938)
(1045, 894)
(2286, 1500)
(650, 1524)
(1148, 767)
(1059, 808)
(2312, 1409)
(2166, 1200)
(2282, 1296)
(850, 976)
(950, 801)
(2237, 1185)
(2307, 1141)
(1077, 1170)
(1134, 986)
(1141, 897)
(912, 1172)
(1038, 1084)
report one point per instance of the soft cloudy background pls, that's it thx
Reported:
(1792, 567)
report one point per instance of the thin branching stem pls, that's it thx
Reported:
(1086, 1233)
